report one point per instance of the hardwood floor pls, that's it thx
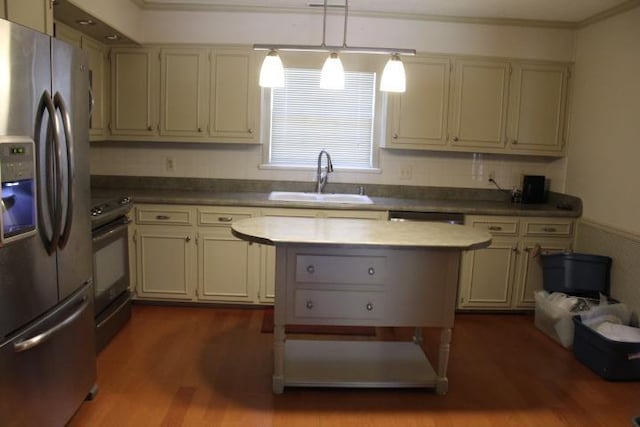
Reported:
(185, 366)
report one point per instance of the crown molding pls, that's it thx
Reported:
(198, 7)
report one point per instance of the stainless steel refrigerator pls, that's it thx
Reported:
(47, 342)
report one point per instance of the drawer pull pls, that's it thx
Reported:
(311, 269)
(163, 217)
(369, 306)
(495, 228)
(225, 218)
(187, 239)
(549, 229)
(309, 305)
(371, 271)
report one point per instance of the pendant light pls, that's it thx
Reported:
(393, 76)
(332, 75)
(272, 71)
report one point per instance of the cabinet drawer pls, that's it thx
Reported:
(547, 228)
(338, 304)
(220, 217)
(365, 270)
(163, 215)
(498, 227)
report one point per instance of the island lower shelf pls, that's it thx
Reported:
(319, 363)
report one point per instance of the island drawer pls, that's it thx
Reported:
(340, 269)
(175, 215)
(346, 305)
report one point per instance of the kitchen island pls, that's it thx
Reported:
(332, 271)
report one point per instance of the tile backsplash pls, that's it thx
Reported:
(415, 168)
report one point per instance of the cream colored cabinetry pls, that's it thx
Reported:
(3, 4)
(134, 92)
(268, 253)
(537, 108)
(235, 94)
(228, 268)
(184, 99)
(165, 252)
(98, 76)
(35, 14)
(505, 275)
(194, 94)
(489, 105)
(418, 117)
(479, 104)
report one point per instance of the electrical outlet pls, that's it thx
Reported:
(170, 164)
(406, 172)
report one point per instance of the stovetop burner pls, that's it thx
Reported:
(106, 210)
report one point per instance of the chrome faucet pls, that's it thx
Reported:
(322, 176)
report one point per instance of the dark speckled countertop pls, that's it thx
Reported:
(199, 191)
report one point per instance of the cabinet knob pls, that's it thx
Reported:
(250, 130)
(311, 269)
(199, 129)
(187, 239)
(225, 218)
(371, 271)
(515, 249)
(549, 229)
(394, 136)
(369, 306)
(163, 217)
(514, 142)
(495, 228)
(149, 128)
(309, 305)
(455, 138)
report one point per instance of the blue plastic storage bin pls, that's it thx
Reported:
(612, 360)
(576, 274)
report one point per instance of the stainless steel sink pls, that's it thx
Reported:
(293, 196)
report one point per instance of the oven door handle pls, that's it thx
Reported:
(107, 234)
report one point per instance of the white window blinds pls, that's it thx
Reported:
(306, 119)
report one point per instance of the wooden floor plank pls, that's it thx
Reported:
(186, 366)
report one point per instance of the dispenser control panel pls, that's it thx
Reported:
(18, 180)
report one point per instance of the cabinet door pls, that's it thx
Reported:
(165, 262)
(3, 13)
(234, 97)
(486, 277)
(184, 95)
(228, 267)
(530, 268)
(479, 104)
(68, 34)
(418, 117)
(97, 54)
(134, 99)
(35, 14)
(537, 108)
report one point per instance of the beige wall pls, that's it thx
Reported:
(604, 138)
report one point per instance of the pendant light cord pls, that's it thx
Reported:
(324, 23)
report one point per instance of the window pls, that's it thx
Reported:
(306, 119)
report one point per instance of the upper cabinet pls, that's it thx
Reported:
(482, 105)
(134, 92)
(35, 14)
(479, 104)
(537, 108)
(416, 119)
(193, 94)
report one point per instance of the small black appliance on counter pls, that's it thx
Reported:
(533, 189)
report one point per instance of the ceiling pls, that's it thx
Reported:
(541, 11)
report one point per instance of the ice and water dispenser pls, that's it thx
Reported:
(18, 178)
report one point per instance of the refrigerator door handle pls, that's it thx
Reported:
(59, 103)
(24, 345)
(53, 195)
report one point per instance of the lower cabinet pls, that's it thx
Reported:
(505, 275)
(188, 253)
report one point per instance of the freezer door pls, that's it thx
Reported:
(70, 77)
(28, 285)
(49, 368)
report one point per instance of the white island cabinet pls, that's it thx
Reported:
(337, 271)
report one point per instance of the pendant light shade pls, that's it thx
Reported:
(332, 76)
(272, 71)
(393, 76)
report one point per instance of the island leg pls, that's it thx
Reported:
(278, 358)
(443, 361)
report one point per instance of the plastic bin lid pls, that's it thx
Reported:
(575, 256)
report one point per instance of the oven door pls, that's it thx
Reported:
(110, 262)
